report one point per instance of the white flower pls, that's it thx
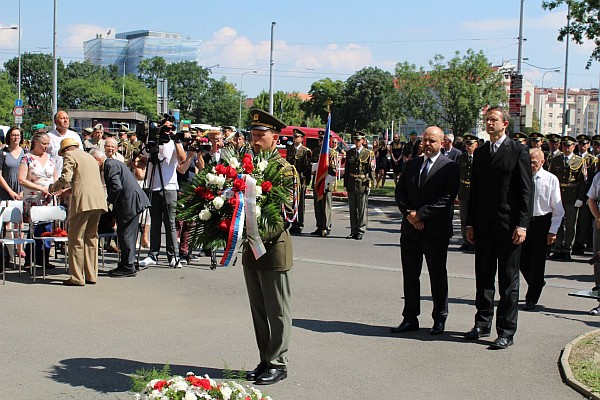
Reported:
(220, 181)
(212, 179)
(218, 202)
(258, 211)
(262, 164)
(234, 163)
(226, 392)
(179, 384)
(258, 190)
(205, 215)
(190, 396)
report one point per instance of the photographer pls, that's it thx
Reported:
(164, 152)
(186, 170)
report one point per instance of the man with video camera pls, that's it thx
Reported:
(164, 150)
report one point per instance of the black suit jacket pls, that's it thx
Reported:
(501, 190)
(433, 201)
(124, 192)
(453, 154)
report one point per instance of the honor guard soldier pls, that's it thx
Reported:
(268, 278)
(300, 156)
(323, 206)
(520, 137)
(553, 147)
(583, 232)
(359, 175)
(536, 140)
(569, 168)
(596, 145)
(465, 162)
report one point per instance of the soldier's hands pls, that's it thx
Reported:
(470, 232)
(519, 235)
(578, 203)
(551, 238)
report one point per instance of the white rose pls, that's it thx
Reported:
(226, 392)
(205, 215)
(262, 164)
(258, 190)
(258, 211)
(234, 163)
(190, 396)
(218, 202)
(220, 181)
(212, 178)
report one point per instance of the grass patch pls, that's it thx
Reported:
(584, 361)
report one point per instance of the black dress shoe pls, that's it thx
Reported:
(501, 343)
(578, 250)
(358, 236)
(437, 328)
(256, 372)
(316, 232)
(123, 273)
(556, 256)
(405, 326)
(476, 333)
(594, 260)
(350, 236)
(529, 306)
(271, 376)
(566, 257)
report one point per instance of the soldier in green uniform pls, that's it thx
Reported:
(268, 278)
(596, 145)
(520, 137)
(569, 169)
(359, 175)
(300, 157)
(323, 206)
(553, 148)
(465, 162)
(583, 232)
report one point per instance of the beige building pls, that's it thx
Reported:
(582, 110)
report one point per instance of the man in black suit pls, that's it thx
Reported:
(449, 150)
(499, 213)
(128, 200)
(425, 194)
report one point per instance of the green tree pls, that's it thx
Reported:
(585, 23)
(320, 92)
(90, 94)
(150, 69)
(286, 107)
(87, 70)
(219, 105)
(8, 94)
(138, 97)
(188, 83)
(368, 102)
(452, 94)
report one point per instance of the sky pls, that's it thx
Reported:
(312, 40)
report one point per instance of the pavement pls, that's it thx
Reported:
(83, 342)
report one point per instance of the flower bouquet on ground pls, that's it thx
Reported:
(193, 387)
(238, 202)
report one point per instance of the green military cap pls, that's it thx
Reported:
(469, 139)
(553, 137)
(358, 136)
(262, 120)
(583, 138)
(110, 133)
(596, 139)
(413, 133)
(298, 133)
(38, 127)
(519, 136)
(568, 140)
(536, 136)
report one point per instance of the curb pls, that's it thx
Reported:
(566, 372)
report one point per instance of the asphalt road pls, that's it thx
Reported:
(82, 343)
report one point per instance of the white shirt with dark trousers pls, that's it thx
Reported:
(547, 215)
(594, 195)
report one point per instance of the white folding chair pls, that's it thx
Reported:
(46, 214)
(14, 217)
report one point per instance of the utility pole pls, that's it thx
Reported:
(519, 77)
(271, 72)
(566, 88)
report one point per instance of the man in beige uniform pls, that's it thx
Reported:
(88, 202)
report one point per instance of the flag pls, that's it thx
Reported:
(323, 167)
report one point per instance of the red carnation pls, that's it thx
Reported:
(224, 225)
(266, 186)
(199, 382)
(208, 195)
(231, 173)
(220, 169)
(160, 384)
(248, 167)
(200, 190)
(239, 185)
(247, 159)
(232, 201)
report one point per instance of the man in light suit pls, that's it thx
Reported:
(425, 194)
(500, 206)
(128, 200)
(88, 202)
(449, 150)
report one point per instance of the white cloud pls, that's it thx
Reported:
(547, 21)
(71, 41)
(8, 37)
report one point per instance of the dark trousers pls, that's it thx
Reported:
(435, 251)
(299, 222)
(127, 235)
(533, 256)
(491, 255)
(162, 212)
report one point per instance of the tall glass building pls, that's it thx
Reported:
(127, 49)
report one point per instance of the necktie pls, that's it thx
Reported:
(470, 159)
(493, 149)
(566, 161)
(424, 172)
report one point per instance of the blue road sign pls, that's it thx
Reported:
(18, 103)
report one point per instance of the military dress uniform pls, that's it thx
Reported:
(300, 157)
(323, 206)
(465, 162)
(583, 232)
(359, 175)
(268, 281)
(571, 176)
(549, 155)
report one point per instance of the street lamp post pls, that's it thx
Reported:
(242, 94)
(543, 97)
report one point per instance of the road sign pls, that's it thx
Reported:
(18, 103)
(18, 120)
(18, 111)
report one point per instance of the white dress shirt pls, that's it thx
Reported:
(546, 198)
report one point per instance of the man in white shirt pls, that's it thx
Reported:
(62, 131)
(547, 216)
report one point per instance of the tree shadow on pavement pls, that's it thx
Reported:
(579, 278)
(107, 375)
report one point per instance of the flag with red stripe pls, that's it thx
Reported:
(323, 168)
